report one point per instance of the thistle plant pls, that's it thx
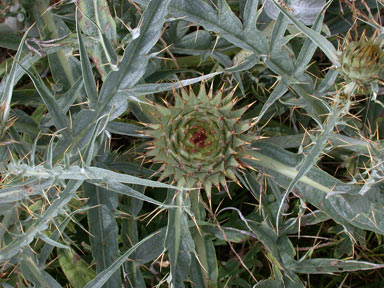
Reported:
(95, 83)
(200, 139)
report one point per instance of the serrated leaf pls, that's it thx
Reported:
(87, 173)
(50, 241)
(86, 70)
(364, 210)
(103, 230)
(223, 22)
(96, 18)
(326, 265)
(126, 190)
(63, 67)
(26, 62)
(92, 146)
(317, 38)
(84, 125)
(20, 191)
(131, 69)
(309, 48)
(146, 89)
(33, 273)
(315, 106)
(313, 154)
(48, 248)
(276, 94)
(103, 277)
(41, 224)
(96, 21)
(8, 83)
(59, 118)
(25, 123)
(250, 14)
(278, 32)
(179, 242)
(135, 59)
(261, 231)
(315, 187)
(127, 129)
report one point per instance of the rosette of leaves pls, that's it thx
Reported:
(200, 139)
(362, 61)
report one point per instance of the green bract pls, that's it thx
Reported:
(362, 61)
(199, 139)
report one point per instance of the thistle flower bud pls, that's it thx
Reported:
(199, 139)
(362, 61)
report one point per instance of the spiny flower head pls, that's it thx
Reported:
(362, 61)
(199, 139)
